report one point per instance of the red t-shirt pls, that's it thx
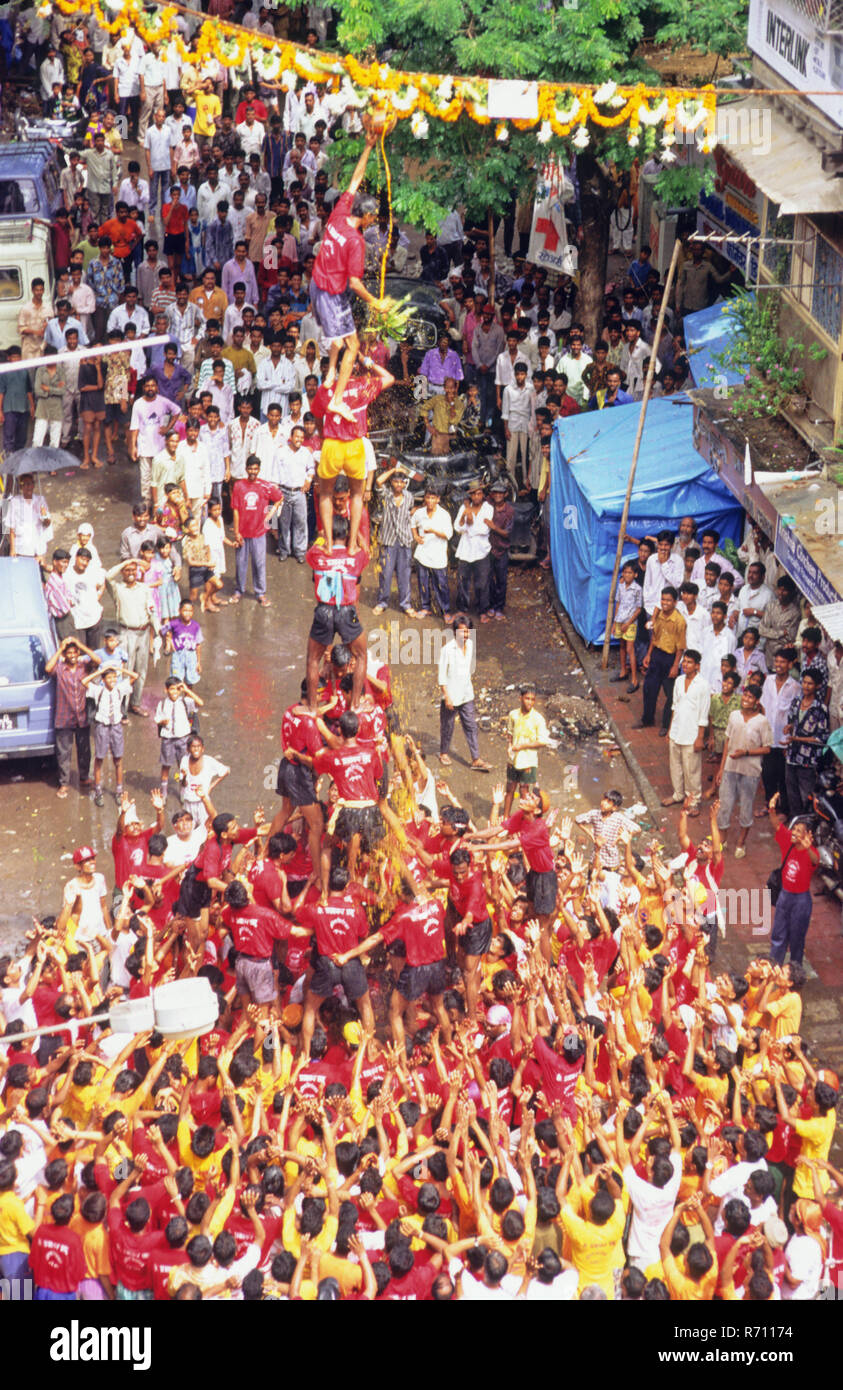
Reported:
(343, 250)
(373, 730)
(798, 868)
(358, 396)
(255, 928)
(214, 858)
(338, 924)
(535, 841)
(559, 1078)
(355, 770)
(468, 896)
(267, 883)
(348, 567)
(178, 220)
(130, 853)
(421, 926)
(415, 1286)
(124, 235)
(299, 731)
(130, 1253)
(315, 1075)
(43, 1001)
(56, 1258)
(250, 500)
(160, 1264)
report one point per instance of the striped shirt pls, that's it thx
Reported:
(70, 695)
(58, 596)
(395, 528)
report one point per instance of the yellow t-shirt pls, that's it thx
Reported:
(15, 1225)
(786, 1014)
(685, 1290)
(816, 1135)
(205, 1170)
(96, 1249)
(207, 109)
(593, 1248)
(526, 728)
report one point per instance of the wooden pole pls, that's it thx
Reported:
(490, 225)
(648, 384)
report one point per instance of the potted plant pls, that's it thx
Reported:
(774, 377)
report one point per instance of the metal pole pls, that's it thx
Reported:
(651, 371)
(67, 1027)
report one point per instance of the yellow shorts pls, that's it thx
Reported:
(624, 634)
(342, 456)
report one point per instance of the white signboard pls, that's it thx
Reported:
(513, 101)
(809, 61)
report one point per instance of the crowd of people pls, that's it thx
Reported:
(752, 685)
(456, 1057)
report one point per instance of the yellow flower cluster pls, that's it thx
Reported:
(561, 106)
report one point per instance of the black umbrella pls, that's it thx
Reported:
(40, 460)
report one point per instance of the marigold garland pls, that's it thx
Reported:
(405, 93)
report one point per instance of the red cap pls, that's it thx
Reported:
(82, 853)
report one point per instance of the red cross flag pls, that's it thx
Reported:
(549, 235)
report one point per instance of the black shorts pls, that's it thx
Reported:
(114, 413)
(296, 782)
(174, 244)
(198, 575)
(329, 622)
(326, 976)
(416, 980)
(542, 889)
(522, 776)
(365, 821)
(477, 940)
(193, 896)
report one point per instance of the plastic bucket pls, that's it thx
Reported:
(185, 1008)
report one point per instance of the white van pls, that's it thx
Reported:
(25, 255)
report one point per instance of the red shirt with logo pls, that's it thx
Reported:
(57, 1259)
(358, 396)
(343, 250)
(355, 770)
(255, 928)
(338, 924)
(421, 926)
(250, 501)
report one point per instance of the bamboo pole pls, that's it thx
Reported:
(648, 384)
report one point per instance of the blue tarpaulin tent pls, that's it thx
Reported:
(706, 333)
(590, 455)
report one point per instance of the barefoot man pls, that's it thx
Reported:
(342, 444)
(340, 264)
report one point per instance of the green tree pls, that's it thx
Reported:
(592, 41)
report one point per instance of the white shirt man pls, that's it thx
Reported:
(135, 195)
(715, 646)
(126, 72)
(633, 366)
(251, 137)
(275, 381)
(518, 408)
(268, 446)
(755, 598)
(158, 143)
(691, 701)
(119, 317)
(295, 466)
(697, 623)
(455, 665)
(573, 368)
(474, 543)
(652, 1208)
(50, 71)
(658, 575)
(505, 368)
(197, 471)
(776, 703)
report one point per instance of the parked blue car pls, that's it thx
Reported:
(27, 641)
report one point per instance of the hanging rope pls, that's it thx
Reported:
(385, 255)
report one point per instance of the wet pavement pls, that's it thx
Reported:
(252, 662)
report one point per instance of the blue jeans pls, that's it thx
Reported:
(183, 667)
(15, 1270)
(292, 525)
(395, 560)
(48, 1296)
(790, 926)
(499, 569)
(159, 183)
(468, 719)
(476, 572)
(434, 583)
(254, 549)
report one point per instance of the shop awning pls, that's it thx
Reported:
(784, 164)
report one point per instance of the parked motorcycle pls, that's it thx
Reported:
(827, 827)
